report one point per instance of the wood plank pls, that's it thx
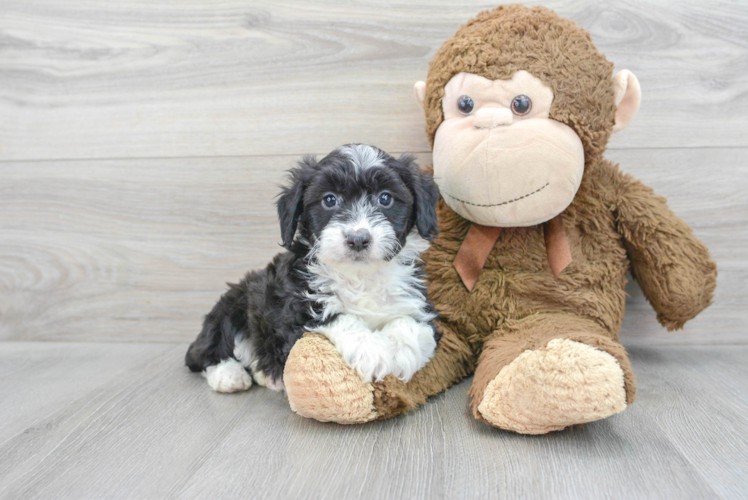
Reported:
(660, 447)
(100, 249)
(145, 415)
(140, 79)
(699, 398)
(157, 431)
(396, 459)
(139, 250)
(625, 456)
(37, 379)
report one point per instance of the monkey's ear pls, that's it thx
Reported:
(628, 95)
(420, 91)
(425, 196)
(290, 202)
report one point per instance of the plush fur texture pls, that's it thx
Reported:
(540, 390)
(498, 43)
(355, 224)
(322, 386)
(499, 169)
(614, 224)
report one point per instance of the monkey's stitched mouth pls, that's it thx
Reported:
(503, 202)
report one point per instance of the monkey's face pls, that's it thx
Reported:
(499, 159)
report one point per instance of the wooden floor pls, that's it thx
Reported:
(92, 420)
(141, 145)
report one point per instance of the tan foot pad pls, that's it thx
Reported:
(548, 389)
(321, 385)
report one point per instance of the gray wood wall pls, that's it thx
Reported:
(141, 143)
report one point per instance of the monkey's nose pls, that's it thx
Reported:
(492, 117)
(358, 239)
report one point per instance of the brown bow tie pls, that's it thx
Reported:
(473, 253)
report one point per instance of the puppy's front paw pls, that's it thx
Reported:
(369, 353)
(228, 376)
(413, 346)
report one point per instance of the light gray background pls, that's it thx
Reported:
(141, 145)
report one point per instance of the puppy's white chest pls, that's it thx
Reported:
(382, 319)
(375, 295)
(373, 305)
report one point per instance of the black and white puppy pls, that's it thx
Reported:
(354, 224)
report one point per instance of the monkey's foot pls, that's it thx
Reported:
(547, 389)
(321, 385)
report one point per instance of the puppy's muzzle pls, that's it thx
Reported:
(358, 240)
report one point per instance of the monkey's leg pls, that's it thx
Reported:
(321, 385)
(549, 371)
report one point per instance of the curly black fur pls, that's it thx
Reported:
(270, 307)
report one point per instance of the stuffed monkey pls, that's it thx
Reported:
(537, 233)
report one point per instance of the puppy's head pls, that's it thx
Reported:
(357, 204)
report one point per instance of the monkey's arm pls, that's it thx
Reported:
(673, 268)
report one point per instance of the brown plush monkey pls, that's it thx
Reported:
(537, 233)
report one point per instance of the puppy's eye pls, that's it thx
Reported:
(385, 199)
(521, 105)
(329, 201)
(465, 104)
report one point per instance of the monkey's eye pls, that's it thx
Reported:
(465, 104)
(329, 201)
(521, 105)
(385, 199)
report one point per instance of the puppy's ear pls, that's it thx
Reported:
(425, 194)
(290, 202)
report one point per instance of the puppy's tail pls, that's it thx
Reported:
(220, 327)
(192, 358)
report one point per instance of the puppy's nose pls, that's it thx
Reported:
(492, 117)
(359, 239)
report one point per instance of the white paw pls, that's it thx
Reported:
(266, 381)
(367, 352)
(228, 376)
(413, 346)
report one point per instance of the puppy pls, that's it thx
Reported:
(354, 225)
